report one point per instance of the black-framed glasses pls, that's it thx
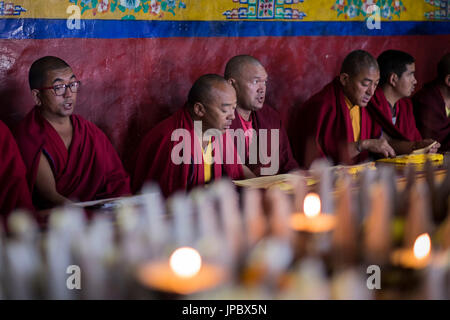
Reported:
(60, 89)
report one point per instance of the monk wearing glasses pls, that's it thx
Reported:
(67, 157)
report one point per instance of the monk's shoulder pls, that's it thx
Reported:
(6, 138)
(269, 111)
(429, 92)
(4, 130)
(323, 97)
(91, 128)
(161, 132)
(268, 117)
(90, 131)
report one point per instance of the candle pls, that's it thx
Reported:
(184, 273)
(311, 220)
(185, 262)
(416, 258)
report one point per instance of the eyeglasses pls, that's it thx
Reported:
(60, 89)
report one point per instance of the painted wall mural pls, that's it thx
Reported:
(129, 8)
(441, 10)
(362, 8)
(226, 10)
(10, 9)
(266, 9)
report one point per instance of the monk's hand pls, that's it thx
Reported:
(434, 147)
(380, 146)
(428, 145)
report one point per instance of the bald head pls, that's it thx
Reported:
(357, 61)
(443, 67)
(203, 87)
(235, 65)
(359, 77)
(40, 68)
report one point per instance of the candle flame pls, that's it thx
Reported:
(422, 246)
(311, 205)
(185, 262)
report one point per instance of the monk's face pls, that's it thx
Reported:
(406, 84)
(219, 112)
(250, 85)
(360, 88)
(53, 105)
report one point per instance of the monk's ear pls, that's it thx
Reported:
(447, 80)
(36, 97)
(393, 79)
(343, 79)
(199, 109)
(232, 82)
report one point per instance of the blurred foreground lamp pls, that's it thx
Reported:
(416, 258)
(311, 220)
(184, 273)
(185, 262)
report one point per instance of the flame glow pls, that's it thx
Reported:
(311, 205)
(185, 262)
(422, 246)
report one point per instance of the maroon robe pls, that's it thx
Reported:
(431, 118)
(268, 118)
(14, 193)
(154, 158)
(89, 170)
(405, 125)
(322, 127)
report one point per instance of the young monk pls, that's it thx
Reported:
(67, 157)
(432, 106)
(256, 120)
(334, 123)
(391, 106)
(189, 148)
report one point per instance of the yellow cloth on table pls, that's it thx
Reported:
(355, 116)
(415, 158)
(207, 161)
(447, 110)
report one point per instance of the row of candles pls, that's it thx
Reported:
(212, 243)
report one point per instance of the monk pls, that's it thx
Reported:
(334, 123)
(391, 106)
(14, 193)
(255, 122)
(67, 157)
(432, 106)
(190, 148)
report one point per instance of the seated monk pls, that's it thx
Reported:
(178, 152)
(390, 106)
(432, 106)
(334, 123)
(14, 193)
(255, 123)
(67, 157)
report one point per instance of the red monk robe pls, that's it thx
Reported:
(268, 118)
(322, 127)
(14, 193)
(405, 125)
(430, 114)
(154, 161)
(89, 170)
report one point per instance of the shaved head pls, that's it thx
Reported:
(38, 70)
(202, 88)
(443, 67)
(235, 65)
(357, 61)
